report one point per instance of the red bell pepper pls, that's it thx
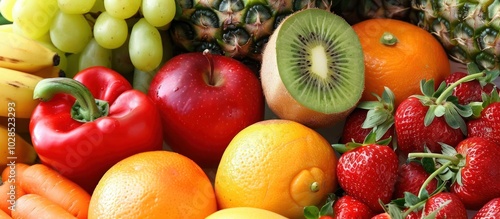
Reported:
(85, 125)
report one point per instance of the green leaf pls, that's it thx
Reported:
(439, 110)
(476, 108)
(383, 128)
(424, 194)
(429, 116)
(448, 149)
(368, 105)
(459, 177)
(375, 118)
(428, 164)
(326, 209)
(410, 199)
(447, 174)
(464, 110)
(472, 68)
(427, 87)
(311, 212)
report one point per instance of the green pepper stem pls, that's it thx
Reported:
(86, 107)
(452, 86)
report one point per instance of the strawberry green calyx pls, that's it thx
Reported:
(369, 140)
(489, 75)
(442, 103)
(313, 212)
(487, 99)
(380, 114)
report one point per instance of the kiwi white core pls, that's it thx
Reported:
(320, 64)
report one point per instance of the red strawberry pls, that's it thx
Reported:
(413, 134)
(349, 207)
(468, 91)
(382, 216)
(411, 177)
(432, 118)
(368, 116)
(472, 168)
(479, 179)
(453, 209)
(368, 172)
(490, 210)
(486, 120)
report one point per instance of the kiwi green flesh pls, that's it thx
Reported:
(320, 61)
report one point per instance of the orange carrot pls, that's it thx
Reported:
(33, 206)
(42, 180)
(9, 171)
(11, 188)
(4, 215)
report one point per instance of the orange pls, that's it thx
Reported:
(415, 55)
(244, 213)
(155, 184)
(276, 165)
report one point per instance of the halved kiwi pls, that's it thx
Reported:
(313, 68)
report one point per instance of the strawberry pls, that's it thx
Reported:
(368, 171)
(370, 116)
(472, 168)
(490, 210)
(470, 91)
(485, 121)
(382, 216)
(445, 205)
(349, 207)
(479, 179)
(432, 118)
(411, 176)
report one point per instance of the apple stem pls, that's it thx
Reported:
(210, 59)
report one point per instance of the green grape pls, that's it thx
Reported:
(70, 32)
(6, 9)
(33, 18)
(98, 6)
(122, 8)
(75, 6)
(120, 60)
(94, 55)
(110, 32)
(145, 46)
(73, 64)
(158, 12)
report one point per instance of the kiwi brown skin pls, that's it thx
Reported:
(279, 100)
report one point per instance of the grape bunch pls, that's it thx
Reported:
(125, 35)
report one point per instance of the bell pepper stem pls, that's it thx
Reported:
(86, 107)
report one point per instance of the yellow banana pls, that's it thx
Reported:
(14, 149)
(50, 72)
(16, 93)
(23, 54)
(6, 28)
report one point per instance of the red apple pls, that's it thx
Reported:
(205, 100)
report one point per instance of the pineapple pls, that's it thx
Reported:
(235, 28)
(468, 30)
(355, 11)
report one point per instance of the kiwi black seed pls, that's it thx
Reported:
(318, 58)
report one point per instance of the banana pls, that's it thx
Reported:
(23, 54)
(50, 72)
(14, 148)
(16, 93)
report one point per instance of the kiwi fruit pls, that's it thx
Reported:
(312, 68)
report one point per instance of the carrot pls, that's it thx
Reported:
(7, 172)
(33, 206)
(44, 181)
(11, 190)
(4, 215)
